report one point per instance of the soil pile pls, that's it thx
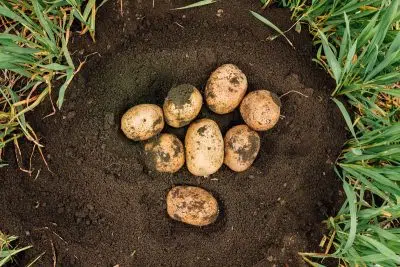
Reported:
(101, 206)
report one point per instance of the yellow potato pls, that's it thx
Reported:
(192, 205)
(182, 105)
(142, 122)
(241, 147)
(204, 148)
(261, 110)
(165, 153)
(225, 89)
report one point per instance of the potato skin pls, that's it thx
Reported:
(192, 205)
(225, 89)
(165, 153)
(204, 147)
(260, 110)
(241, 147)
(182, 105)
(142, 122)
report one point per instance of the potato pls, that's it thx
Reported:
(260, 110)
(142, 122)
(225, 89)
(182, 105)
(192, 205)
(204, 148)
(241, 147)
(165, 153)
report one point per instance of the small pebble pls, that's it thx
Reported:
(308, 91)
(71, 115)
(109, 118)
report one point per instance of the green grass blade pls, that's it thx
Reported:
(90, 4)
(346, 116)
(197, 4)
(63, 88)
(349, 58)
(45, 24)
(10, 253)
(55, 66)
(353, 215)
(390, 254)
(270, 24)
(389, 60)
(346, 40)
(331, 58)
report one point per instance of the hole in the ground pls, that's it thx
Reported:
(94, 163)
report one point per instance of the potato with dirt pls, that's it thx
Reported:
(241, 147)
(142, 122)
(182, 105)
(225, 89)
(260, 110)
(165, 153)
(204, 148)
(192, 205)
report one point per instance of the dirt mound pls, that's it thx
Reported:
(101, 206)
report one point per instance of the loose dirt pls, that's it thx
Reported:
(101, 206)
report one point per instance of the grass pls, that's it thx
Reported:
(358, 44)
(34, 60)
(6, 251)
(270, 24)
(197, 4)
(35, 63)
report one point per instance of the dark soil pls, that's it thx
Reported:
(101, 207)
(180, 95)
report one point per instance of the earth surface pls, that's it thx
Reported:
(101, 206)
